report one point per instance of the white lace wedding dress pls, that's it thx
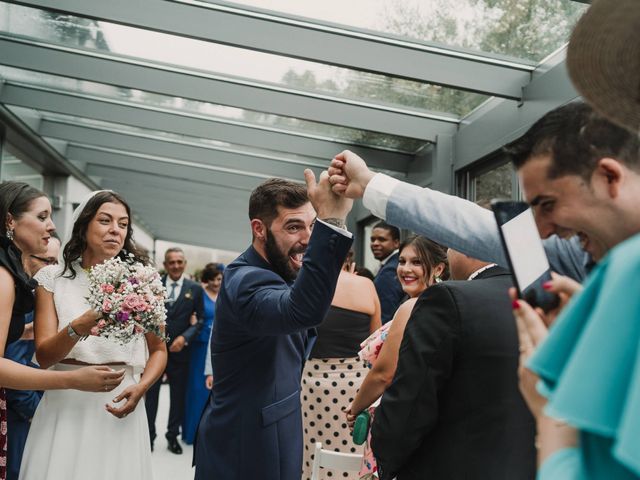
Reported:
(72, 436)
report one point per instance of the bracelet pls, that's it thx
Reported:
(336, 222)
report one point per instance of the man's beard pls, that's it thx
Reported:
(278, 260)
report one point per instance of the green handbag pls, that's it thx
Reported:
(361, 427)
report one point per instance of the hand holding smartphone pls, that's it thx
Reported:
(525, 253)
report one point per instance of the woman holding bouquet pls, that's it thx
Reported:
(75, 435)
(25, 229)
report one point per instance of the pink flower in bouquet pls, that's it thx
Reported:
(95, 331)
(107, 288)
(130, 302)
(106, 306)
(138, 329)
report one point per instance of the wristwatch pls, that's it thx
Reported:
(72, 333)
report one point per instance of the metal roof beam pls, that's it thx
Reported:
(165, 167)
(176, 82)
(185, 123)
(314, 41)
(266, 164)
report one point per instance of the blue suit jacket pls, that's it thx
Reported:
(252, 425)
(389, 289)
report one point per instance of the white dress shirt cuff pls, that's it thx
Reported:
(342, 231)
(377, 194)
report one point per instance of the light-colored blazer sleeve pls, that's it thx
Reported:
(459, 223)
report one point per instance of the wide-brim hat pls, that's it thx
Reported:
(603, 59)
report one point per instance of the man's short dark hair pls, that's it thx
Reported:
(575, 137)
(395, 232)
(274, 193)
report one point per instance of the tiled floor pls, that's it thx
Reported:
(166, 465)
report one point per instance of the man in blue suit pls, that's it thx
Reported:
(385, 240)
(184, 300)
(268, 302)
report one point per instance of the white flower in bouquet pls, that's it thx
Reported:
(130, 296)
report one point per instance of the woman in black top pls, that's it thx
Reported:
(25, 229)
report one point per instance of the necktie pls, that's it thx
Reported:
(172, 294)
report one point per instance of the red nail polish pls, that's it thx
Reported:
(548, 285)
(515, 305)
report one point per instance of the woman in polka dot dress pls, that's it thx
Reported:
(333, 373)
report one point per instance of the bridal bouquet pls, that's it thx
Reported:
(130, 296)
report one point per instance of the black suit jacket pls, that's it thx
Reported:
(454, 410)
(179, 314)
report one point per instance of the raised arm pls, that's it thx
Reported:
(267, 307)
(447, 219)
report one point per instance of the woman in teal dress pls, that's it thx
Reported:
(588, 398)
(197, 391)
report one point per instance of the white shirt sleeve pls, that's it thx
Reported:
(377, 194)
(341, 231)
(208, 369)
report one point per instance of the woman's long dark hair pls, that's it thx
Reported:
(430, 254)
(15, 199)
(78, 243)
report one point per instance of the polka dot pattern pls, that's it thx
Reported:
(328, 386)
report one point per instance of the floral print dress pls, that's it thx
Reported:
(370, 349)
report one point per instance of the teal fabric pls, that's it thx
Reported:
(562, 464)
(590, 364)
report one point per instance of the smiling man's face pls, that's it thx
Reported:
(287, 238)
(567, 205)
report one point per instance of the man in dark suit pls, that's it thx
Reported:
(385, 240)
(454, 410)
(184, 299)
(269, 299)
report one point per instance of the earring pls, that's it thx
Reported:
(438, 279)
(10, 235)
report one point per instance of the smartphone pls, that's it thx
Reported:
(525, 252)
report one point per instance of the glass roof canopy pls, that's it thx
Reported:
(257, 88)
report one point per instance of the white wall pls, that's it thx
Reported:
(72, 192)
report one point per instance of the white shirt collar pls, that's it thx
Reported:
(386, 259)
(180, 281)
(480, 270)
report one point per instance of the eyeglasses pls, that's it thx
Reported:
(45, 260)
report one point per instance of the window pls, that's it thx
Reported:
(491, 179)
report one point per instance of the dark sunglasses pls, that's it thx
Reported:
(45, 260)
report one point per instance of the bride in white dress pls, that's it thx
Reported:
(78, 435)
